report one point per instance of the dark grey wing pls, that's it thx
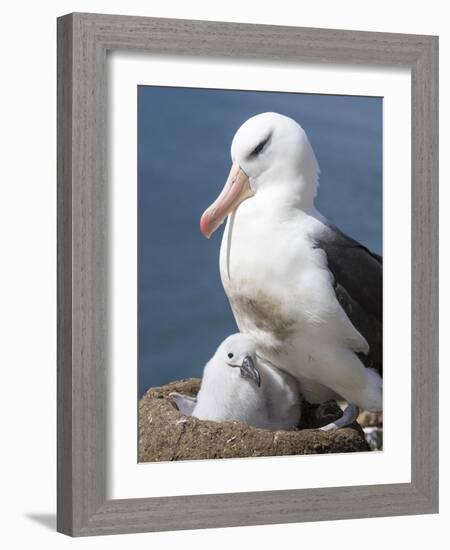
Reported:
(358, 284)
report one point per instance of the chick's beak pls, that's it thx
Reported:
(249, 370)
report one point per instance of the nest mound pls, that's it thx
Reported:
(165, 434)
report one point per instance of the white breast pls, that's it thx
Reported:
(269, 266)
(279, 286)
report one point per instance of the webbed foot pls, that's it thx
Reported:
(184, 403)
(349, 415)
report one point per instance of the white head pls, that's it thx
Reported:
(238, 351)
(268, 150)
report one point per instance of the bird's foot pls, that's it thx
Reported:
(349, 416)
(329, 427)
(184, 403)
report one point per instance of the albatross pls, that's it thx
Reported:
(308, 294)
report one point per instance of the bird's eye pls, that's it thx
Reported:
(259, 147)
(230, 355)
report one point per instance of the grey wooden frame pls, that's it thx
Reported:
(83, 41)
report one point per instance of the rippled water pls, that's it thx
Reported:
(183, 141)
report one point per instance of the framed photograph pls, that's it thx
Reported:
(247, 232)
(177, 269)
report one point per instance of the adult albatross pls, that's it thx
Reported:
(309, 295)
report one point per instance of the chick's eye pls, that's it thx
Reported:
(230, 355)
(259, 147)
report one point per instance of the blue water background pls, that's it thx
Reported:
(184, 139)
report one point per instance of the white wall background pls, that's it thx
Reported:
(28, 271)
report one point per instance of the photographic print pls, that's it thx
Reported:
(260, 273)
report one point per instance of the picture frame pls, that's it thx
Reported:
(83, 42)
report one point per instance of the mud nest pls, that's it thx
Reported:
(165, 434)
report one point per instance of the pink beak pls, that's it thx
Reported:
(236, 190)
